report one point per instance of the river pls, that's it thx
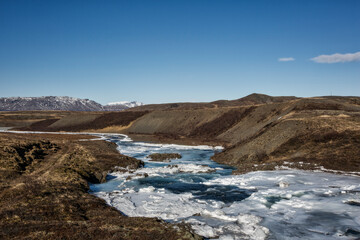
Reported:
(283, 204)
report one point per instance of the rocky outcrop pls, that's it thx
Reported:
(164, 157)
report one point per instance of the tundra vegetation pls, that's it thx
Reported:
(44, 178)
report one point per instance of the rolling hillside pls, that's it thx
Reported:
(259, 132)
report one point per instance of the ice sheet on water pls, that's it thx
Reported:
(167, 169)
(176, 146)
(286, 204)
(143, 149)
(205, 216)
(305, 206)
(309, 206)
(314, 205)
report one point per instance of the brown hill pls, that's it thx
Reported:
(251, 99)
(258, 131)
(79, 121)
(307, 133)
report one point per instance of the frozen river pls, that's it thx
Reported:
(286, 204)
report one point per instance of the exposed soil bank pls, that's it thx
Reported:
(163, 157)
(44, 191)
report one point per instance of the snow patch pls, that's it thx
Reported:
(126, 104)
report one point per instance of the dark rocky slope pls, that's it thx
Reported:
(85, 121)
(258, 131)
(307, 133)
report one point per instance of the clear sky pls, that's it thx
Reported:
(185, 50)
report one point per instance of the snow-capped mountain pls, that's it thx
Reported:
(126, 103)
(48, 103)
(117, 106)
(60, 103)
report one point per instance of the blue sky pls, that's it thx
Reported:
(171, 51)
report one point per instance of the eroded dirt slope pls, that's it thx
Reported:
(303, 133)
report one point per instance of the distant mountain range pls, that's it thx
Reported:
(60, 103)
(76, 104)
(118, 106)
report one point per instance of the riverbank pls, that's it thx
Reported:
(44, 191)
(327, 153)
(258, 132)
(257, 205)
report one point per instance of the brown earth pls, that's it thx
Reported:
(44, 191)
(26, 118)
(161, 157)
(258, 132)
(300, 133)
(80, 121)
(251, 99)
(44, 178)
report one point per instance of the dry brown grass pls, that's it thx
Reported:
(44, 191)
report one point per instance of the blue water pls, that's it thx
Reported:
(179, 182)
(219, 205)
